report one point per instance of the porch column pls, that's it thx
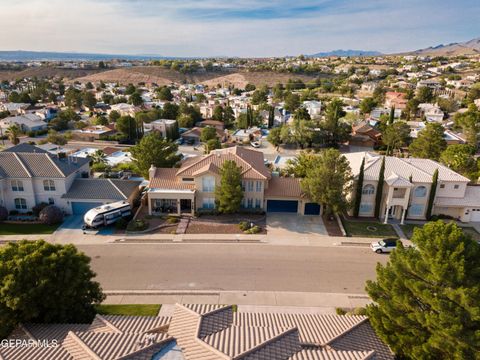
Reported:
(149, 204)
(404, 212)
(386, 214)
(179, 210)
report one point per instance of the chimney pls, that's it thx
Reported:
(151, 172)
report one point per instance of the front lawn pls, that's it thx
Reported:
(26, 229)
(368, 229)
(133, 309)
(408, 230)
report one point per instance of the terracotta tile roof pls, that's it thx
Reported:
(250, 161)
(166, 178)
(284, 187)
(332, 355)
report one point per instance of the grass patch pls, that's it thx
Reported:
(368, 229)
(408, 230)
(133, 309)
(27, 229)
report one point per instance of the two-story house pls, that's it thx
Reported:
(407, 187)
(192, 186)
(30, 176)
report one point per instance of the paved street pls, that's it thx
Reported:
(232, 267)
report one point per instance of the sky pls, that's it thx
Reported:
(246, 28)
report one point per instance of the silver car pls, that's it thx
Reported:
(384, 246)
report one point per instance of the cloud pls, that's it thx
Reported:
(234, 27)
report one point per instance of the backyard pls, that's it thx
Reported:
(26, 229)
(374, 229)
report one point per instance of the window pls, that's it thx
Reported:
(250, 203)
(258, 203)
(20, 204)
(209, 203)
(17, 185)
(368, 190)
(208, 183)
(243, 185)
(456, 186)
(259, 186)
(250, 186)
(442, 186)
(420, 191)
(366, 208)
(416, 210)
(188, 179)
(51, 201)
(48, 185)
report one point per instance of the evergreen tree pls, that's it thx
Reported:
(229, 194)
(378, 195)
(429, 143)
(271, 117)
(359, 188)
(391, 119)
(433, 190)
(426, 299)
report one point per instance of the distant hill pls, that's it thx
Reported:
(344, 53)
(21, 55)
(471, 47)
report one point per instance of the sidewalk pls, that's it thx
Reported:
(248, 300)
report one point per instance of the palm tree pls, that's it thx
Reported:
(12, 132)
(98, 157)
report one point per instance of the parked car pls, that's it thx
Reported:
(255, 144)
(384, 246)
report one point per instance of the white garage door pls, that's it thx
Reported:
(475, 215)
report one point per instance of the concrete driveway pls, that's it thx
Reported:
(292, 226)
(71, 227)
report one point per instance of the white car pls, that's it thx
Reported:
(384, 246)
(255, 144)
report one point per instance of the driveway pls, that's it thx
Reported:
(285, 225)
(71, 227)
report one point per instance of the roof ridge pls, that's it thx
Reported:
(22, 164)
(108, 323)
(194, 163)
(139, 351)
(84, 346)
(266, 343)
(27, 332)
(116, 188)
(56, 166)
(364, 320)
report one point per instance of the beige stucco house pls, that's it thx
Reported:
(407, 188)
(191, 187)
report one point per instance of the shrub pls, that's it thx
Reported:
(172, 220)
(254, 230)
(51, 215)
(3, 213)
(37, 208)
(359, 311)
(13, 212)
(244, 225)
(121, 224)
(137, 225)
(340, 311)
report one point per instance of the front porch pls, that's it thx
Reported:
(162, 202)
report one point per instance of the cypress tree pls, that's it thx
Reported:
(378, 195)
(392, 115)
(271, 116)
(431, 198)
(358, 194)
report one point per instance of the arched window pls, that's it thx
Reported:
(48, 185)
(420, 191)
(20, 204)
(368, 189)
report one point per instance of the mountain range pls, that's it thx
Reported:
(343, 53)
(471, 47)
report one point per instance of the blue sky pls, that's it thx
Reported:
(234, 27)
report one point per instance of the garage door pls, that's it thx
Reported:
(285, 206)
(312, 209)
(80, 208)
(475, 215)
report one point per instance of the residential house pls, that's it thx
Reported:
(407, 188)
(313, 107)
(30, 176)
(26, 122)
(94, 132)
(219, 125)
(364, 134)
(377, 112)
(14, 108)
(395, 99)
(191, 187)
(208, 332)
(432, 112)
(194, 135)
(164, 126)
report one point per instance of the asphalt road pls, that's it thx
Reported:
(232, 267)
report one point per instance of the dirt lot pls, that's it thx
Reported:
(224, 224)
